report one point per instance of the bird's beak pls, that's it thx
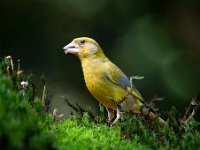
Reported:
(72, 48)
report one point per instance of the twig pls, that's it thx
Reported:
(190, 112)
(72, 106)
(136, 78)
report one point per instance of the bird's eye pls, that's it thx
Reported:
(82, 41)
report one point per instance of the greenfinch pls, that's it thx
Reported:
(105, 81)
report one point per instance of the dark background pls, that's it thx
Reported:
(159, 40)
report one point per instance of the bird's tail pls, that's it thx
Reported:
(137, 106)
(135, 102)
(152, 115)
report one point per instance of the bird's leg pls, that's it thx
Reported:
(111, 114)
(118, 116)
(119, 106)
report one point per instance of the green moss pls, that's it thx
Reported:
(88, 135)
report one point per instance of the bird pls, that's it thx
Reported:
(106, 82)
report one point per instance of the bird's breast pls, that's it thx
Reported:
(97, 83)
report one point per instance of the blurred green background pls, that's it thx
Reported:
(159, 40)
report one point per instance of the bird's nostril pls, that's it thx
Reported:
(68, 47)
(72, 47)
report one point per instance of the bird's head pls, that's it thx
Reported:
(84, 47)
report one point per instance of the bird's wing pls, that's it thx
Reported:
(116, 76)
